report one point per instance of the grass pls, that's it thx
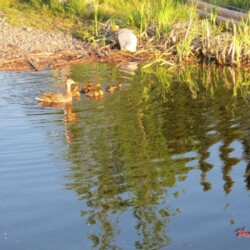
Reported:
(169, 12)
(184, 46)
(245, 4)
(22, 14)
(137, 14)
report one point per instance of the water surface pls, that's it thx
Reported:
(161, 164)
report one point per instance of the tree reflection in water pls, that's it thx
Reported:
(133, 147)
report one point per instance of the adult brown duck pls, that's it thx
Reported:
(56, 98)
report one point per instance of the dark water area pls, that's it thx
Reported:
(161, 164)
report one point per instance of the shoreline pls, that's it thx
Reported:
(26, 48)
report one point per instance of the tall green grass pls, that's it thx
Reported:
(245, 4)
(5, 3)
(135, 13)
(167, 12)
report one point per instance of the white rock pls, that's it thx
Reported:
(127, 40)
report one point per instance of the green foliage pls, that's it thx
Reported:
(167, 13)
(135, 13)
(184, 46)
(238, 3)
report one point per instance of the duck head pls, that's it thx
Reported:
(69, 83)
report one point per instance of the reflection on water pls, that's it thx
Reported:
(147, 140)
(162, 163)
(70, 117)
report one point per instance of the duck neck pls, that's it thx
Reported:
(68, 89)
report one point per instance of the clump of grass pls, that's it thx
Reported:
(138, 15)
(96, 5)
(22, 14)
(184, 48)
(167, 12)
(230, 48)
(5, 3)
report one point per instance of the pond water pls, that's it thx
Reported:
(161, 164)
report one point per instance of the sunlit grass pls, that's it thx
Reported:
(239, 3)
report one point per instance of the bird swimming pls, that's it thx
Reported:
(90, 86)
(95, 93)
(114, 87)
(58, 98)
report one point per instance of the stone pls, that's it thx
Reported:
(127, 40)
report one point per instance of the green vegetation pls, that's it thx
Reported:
(245, 4)
(169, 24)
(135, 14)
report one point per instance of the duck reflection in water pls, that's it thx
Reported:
(70, 117)
(128, 67)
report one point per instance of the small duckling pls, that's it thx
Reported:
(75, 91)
(114, 87)
(90, 86)
(95, 93)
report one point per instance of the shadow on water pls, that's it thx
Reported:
(129, 151)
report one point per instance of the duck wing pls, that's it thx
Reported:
(51, 97)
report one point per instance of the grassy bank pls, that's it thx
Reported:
(169, 30)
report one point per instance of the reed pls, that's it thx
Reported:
(184, 46)
(96, 5)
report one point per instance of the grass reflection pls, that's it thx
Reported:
(202, 79)
(128, 155)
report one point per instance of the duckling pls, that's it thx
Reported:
(114, 87)
(56, 98)
(75, 91)
(90, 86)
(95, 93)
